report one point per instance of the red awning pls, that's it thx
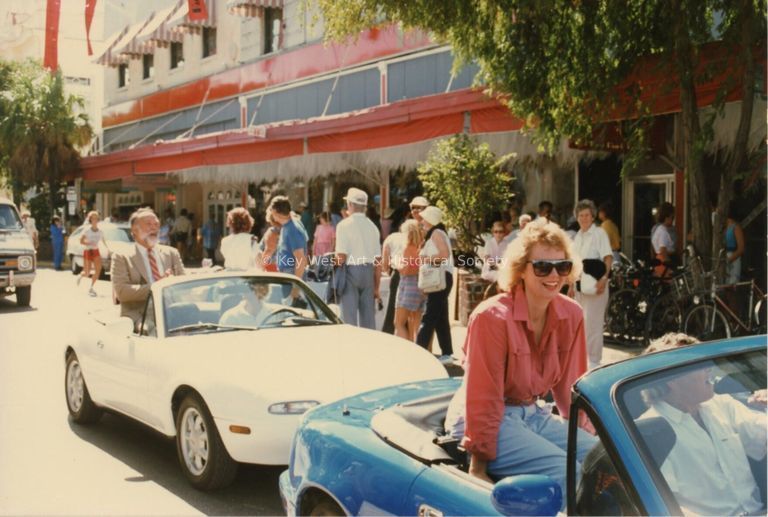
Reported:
(157, 32)
(405, 122)
(109, 57)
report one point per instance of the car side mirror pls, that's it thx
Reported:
(122, 326)
(528, 494)
(335, 309)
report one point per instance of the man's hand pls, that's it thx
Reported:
(601, 285)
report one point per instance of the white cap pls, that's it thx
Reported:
(432, 215)
(419, 201)
(356, 196)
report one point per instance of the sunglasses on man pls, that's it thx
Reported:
(545, 267)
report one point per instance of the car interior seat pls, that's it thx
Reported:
(228, 302)
(181, 314)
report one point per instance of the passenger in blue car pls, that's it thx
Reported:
(521, 345)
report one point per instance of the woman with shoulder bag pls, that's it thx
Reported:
(436, 253)
(593, 246)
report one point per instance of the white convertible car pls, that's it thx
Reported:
(227, 363)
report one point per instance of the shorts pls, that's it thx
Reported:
(91, 254)
(409, 296)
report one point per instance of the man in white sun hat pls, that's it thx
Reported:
(358, 248)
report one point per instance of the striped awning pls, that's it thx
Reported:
(252, 8)
(157, 33)
(109, 57)
(179, 21)
(130, 46)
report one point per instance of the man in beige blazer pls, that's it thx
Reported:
(133, 273)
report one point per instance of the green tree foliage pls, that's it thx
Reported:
(40, 128)
(467, 182)
(566, 65)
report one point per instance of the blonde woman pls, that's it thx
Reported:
(409, 303)
(520, 345)
(91, 256)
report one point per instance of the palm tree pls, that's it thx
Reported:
(40, 127)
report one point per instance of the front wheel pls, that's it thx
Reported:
(73, 265)
(202, 455)
(706, 323)
(79, 402)
(23, 295)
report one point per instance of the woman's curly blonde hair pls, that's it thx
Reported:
(518, 252)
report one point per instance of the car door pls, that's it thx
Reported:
(125, 356)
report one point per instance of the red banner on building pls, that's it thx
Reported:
(51, 56)
(90, 9)
(197, 10)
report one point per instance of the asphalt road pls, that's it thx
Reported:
(51, 466)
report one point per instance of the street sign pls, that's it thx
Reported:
(71, 194)
(71, 206)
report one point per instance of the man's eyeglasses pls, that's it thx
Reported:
(545, 267)
(498, 231)
(415, 208)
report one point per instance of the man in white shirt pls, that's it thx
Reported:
(253, 310)
(358, 248)
(493, 252)
(707, 468)
(133, 273)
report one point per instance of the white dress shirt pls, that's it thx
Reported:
(160, 266)
(707, 470)
(240, 316)
(359, 239)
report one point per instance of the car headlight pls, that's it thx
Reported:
(26, 263)
(293, 407)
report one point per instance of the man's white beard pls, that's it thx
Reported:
(151, 240)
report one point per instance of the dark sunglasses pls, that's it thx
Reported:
(544, 267)
(417, 208)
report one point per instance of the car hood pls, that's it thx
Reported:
(16, 241)
(321, 363)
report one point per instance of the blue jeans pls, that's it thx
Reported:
(531, 440)
(357, 303)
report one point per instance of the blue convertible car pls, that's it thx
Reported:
(386, 452)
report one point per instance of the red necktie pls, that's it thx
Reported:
(153, 266)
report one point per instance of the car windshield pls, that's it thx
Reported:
(248, 302)
(703, 427)
(9, 218)
(114, 233)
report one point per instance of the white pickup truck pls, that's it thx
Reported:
(17, 255)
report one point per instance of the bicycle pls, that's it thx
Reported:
(713, 317)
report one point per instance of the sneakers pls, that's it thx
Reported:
(446, 359)
(91, 292)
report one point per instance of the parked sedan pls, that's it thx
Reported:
(117, 238)
(385, 452)
(227, 363)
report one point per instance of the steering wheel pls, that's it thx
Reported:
(276, 312)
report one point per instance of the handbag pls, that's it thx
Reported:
(431, 278)
(593, 270)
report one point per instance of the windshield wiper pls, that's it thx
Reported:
(209, 326)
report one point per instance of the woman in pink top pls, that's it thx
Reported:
(325, 236)
(520, 345)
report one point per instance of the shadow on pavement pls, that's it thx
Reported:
(153, 456)
(8, 305)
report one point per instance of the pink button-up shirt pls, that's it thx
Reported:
(504, 365)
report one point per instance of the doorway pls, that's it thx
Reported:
(643, 194)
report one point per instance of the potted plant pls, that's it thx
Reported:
(467, 181)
